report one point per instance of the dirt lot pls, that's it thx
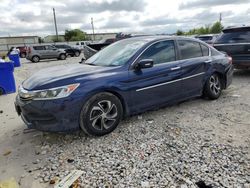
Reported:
(195, 141)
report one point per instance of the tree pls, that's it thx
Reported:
(179, 32)
(40, 40)
(216, 27)
(74, 35)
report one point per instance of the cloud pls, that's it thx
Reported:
(114, 6)
(210, 3)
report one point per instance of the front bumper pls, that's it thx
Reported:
(59, 115)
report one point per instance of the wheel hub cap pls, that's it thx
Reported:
(103, 115)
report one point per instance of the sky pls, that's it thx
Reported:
(35, 17)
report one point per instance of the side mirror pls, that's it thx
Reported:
(144, 64)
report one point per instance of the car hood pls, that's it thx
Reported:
(58, 73)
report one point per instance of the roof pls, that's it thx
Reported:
(240, 28)
(18, 37)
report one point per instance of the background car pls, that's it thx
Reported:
(37, 52)
(235, 41)
(80, 45)
(209, 39)
(128, 77)
(69, 49)
(102, 43)
(22, 51)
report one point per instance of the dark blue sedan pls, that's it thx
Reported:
(126, 78)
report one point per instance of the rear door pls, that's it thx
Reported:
(51, 51)
(160, 83)
(236, 44)
(194, 65)
(41, 51)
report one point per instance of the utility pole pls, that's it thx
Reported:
(54, 13)
(220, 19)
(93, 29)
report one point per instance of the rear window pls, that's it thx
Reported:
(39, 47)
(189, 49)
(234, 37)
(205, 38)
(205, 50)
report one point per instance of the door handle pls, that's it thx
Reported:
(175, 68)
(208, 61)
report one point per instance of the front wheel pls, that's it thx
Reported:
(62, 56)
(77, 53)
(22, 55)
(35, 59)
(213, 87)
(101, 114)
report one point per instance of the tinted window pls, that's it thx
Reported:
(189, 49)
(205, 50)
(160, 52)
(110, 40)
(49, 48)
(214, 52)
(39, 47)
(205, 38)
(234, 37)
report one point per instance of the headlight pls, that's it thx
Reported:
(53, 93)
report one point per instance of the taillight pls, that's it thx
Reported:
(230, 60)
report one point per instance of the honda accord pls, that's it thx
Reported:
(126, 78)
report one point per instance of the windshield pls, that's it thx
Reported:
(116, 54)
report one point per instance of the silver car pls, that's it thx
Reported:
(37, 52)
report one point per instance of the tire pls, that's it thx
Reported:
(23, 55)
(101, 114)
(62, 56)
(77, 53)
(213, 87)
(35, 59)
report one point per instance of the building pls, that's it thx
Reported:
(53, 38)
(7, 42)
(100, 36)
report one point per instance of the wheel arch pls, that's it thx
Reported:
(121, 98)
(113, 92)
(222, 77)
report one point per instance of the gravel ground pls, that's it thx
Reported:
(192, 144)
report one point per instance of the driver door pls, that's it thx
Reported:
(160, 83)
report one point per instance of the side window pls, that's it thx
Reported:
(234, 37)
(189, 49)
(161, 52)
(39, 47)
(205, 50)
(48, 47)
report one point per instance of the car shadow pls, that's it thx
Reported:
(242, 73)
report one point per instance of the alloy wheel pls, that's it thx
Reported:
(103, 115)
(214, 83)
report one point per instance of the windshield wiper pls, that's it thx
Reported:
(92, 64)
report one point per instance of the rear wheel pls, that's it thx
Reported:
(101, 114)
(23, 55)
(35, 59)
(77, 53)
(213, 87)
(62, 56)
